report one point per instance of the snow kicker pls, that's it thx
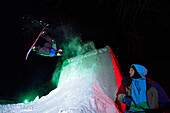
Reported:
(88, 84)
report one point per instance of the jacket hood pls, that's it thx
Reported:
(140, 69)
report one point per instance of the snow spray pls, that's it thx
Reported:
(72, 45)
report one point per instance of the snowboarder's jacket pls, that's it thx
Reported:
(153, 95)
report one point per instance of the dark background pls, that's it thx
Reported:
(136, 30)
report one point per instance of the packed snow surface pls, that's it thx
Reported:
(86, 85)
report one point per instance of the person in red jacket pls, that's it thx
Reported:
(141, 94)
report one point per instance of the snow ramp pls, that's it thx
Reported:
(87, 84)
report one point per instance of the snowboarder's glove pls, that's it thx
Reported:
(127, 100)
(34, 48)
(126, 81)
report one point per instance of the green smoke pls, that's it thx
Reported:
(72, 45)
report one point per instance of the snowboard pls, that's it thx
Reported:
(35, 41)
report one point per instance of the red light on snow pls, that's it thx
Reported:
(118, 75)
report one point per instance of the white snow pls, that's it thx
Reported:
(86, 85)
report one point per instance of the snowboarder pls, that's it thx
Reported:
(49, 49)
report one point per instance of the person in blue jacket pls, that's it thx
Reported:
(140, 94)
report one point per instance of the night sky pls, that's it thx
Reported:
(137, 32)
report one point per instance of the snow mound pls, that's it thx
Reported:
(86, 85)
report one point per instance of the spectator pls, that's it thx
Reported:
(139, 93)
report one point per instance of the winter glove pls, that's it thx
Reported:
(127, 100)
(126, 81)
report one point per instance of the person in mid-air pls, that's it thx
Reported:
(49, 49)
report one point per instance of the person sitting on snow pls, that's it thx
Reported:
(141, 94)
(49, 49)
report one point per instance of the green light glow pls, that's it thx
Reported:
(28, 96)
(72, 46)
(26, 101)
